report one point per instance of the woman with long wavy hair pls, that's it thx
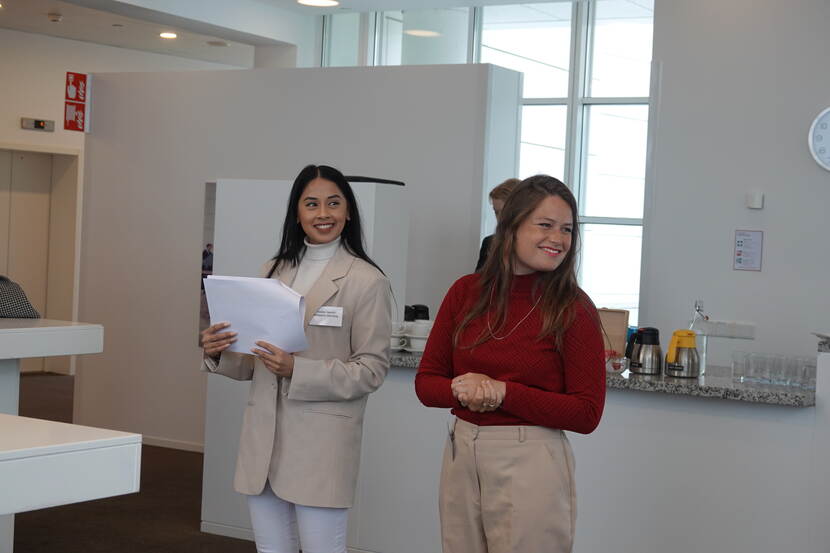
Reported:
(516, 352)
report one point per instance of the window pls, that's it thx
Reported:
(342, 40)
(586, 72)
(543, 140)
(533, 39)
(586, 68)
(421, 37)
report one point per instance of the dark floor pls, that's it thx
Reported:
(162, 518)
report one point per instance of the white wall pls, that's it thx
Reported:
(741, 83)
(143, 215)
(33, 69)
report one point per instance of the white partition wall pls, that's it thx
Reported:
(446, 131)
(385, 214)
(247, 232)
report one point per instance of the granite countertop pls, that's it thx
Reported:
(717, 383)
(405, 359)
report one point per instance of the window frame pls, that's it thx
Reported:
(578, 103)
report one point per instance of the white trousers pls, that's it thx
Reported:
(281, 526)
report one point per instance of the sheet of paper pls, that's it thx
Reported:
(258, 309)
(749, 249)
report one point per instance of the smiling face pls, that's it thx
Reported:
(322, 211)
(543, 239)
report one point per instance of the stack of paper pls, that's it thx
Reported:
(257, 309)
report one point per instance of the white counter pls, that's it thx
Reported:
(46, 463)
(23, 338)
(662, 473)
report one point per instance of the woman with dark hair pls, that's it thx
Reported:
(516, 352)
(300, 444)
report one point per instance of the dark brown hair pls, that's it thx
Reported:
(558, 288)
(503, 190)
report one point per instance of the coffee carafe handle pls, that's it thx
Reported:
(629, 347)
(671, 356)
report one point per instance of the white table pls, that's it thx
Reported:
(24, 338)
(45, 463)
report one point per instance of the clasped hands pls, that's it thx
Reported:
(478, 392)
(216, 339)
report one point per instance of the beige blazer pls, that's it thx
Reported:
(303, 434)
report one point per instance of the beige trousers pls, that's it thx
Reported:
(507, 489)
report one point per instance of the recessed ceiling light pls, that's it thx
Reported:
(167, 35)
(421, 33)
(219, 43)
(117, 24)
(319, 3)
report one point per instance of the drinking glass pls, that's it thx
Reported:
(776, 364)
(792, 372)
(807, 372)
(740, 360)
(759, 369)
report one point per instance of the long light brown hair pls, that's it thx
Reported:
(558, 288)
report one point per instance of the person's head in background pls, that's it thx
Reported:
(499, 194)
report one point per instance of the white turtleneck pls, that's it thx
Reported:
(313, 263)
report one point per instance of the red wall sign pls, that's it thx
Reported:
(76, 105)
(74, 116)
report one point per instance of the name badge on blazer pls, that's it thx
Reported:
(327, 316)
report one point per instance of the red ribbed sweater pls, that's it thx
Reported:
(545, 387)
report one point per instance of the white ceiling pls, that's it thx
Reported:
(381, 5)
(120, 24)
(89, 25)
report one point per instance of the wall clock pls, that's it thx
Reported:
(819, 139)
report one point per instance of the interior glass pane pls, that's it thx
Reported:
(616, 161)
(543, 141)
(622, 37)
(610, 266)
(422, 37)
(534, 39)
(343, 45)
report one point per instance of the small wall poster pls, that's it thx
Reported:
(749, 248)
(76, 102)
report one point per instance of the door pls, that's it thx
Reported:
(38, 199)
(28, 230)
